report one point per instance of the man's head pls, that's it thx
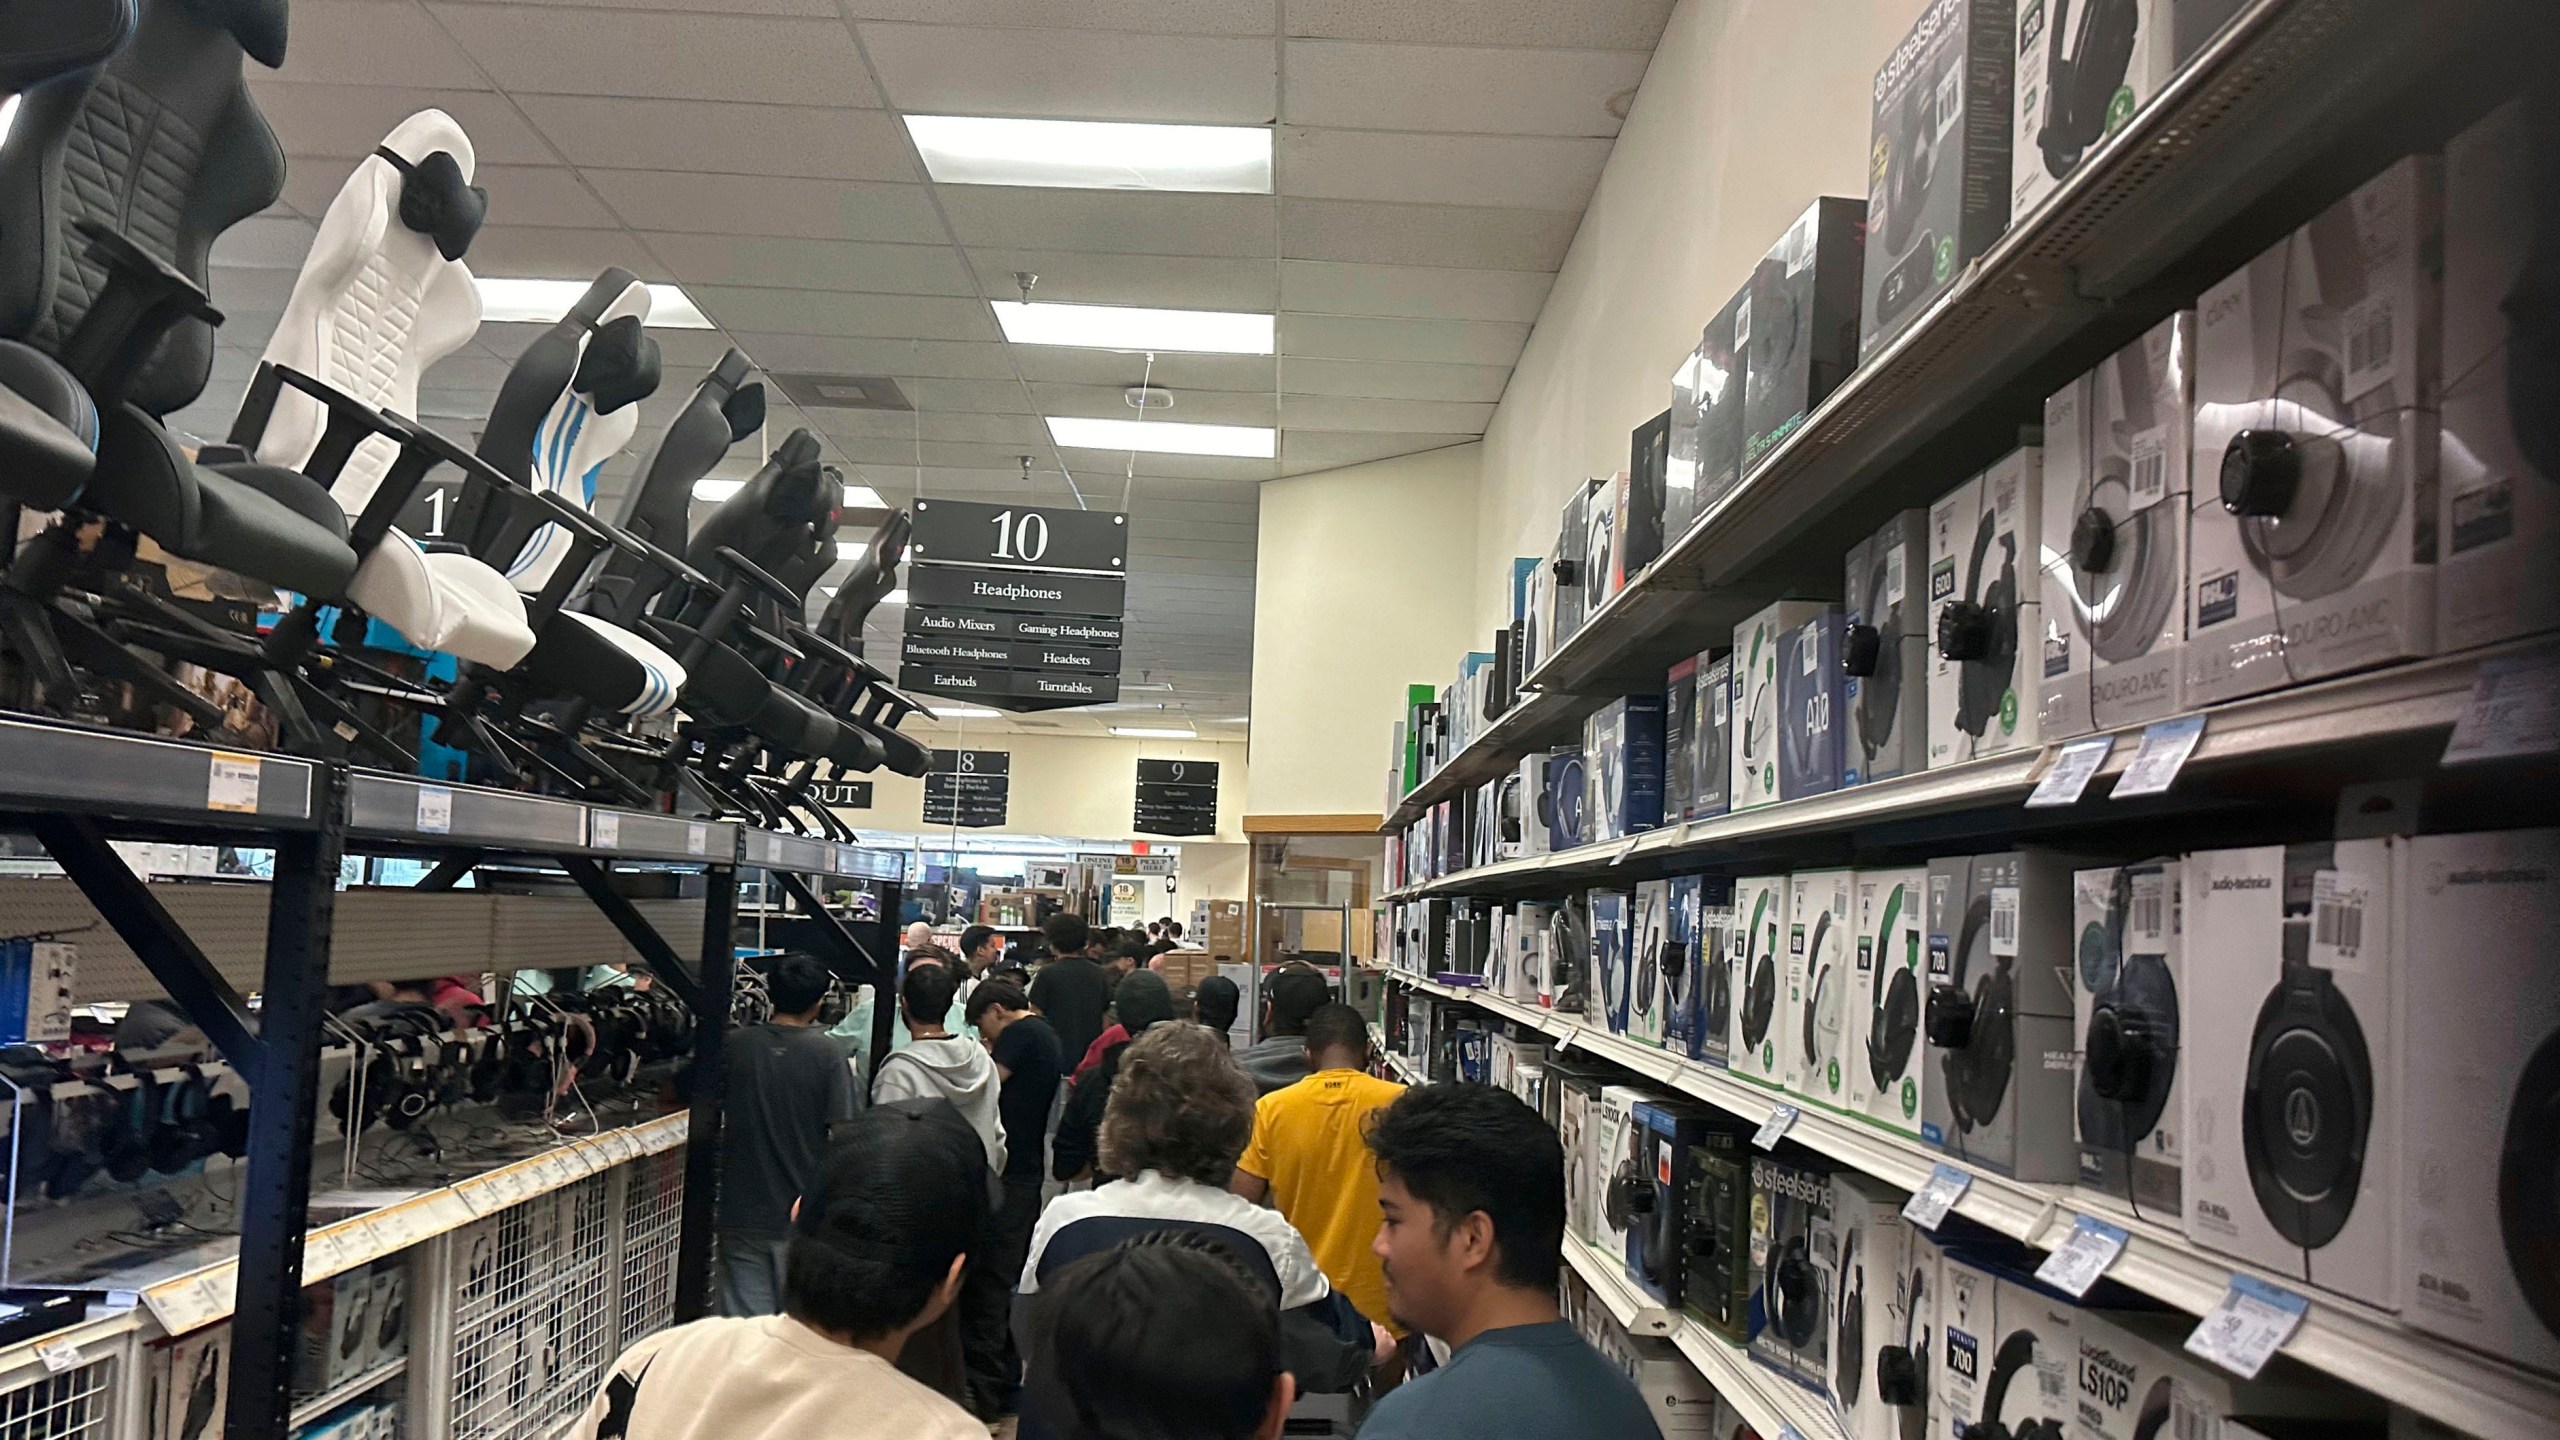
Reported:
(1471, 1196)
(796, 984)
(1161, 1338)
(919, 935)
(1067, 934)
(878, 1245)
(1142, 1001)
(1181, 1105)
(926, 994)
(1126, 955)
(980, 947)
(1172, 929)
(1337, 1039)
(994, 1005)
(1215, 1003)
(1289, 995)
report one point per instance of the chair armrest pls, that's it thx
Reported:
(742, 568)
(144, 297)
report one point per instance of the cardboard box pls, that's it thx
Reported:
(2083, 71)
(1567, 981)
(1885, 653)
(1226, 930)
(1652, 939)
(2317, 368)
(194, 1387)
(2032, 1382)
(1681, 1401)
(1888, 992)
(1813, 1031)
(1564, 801)
(1718, 1288)
(36, 978)
(1759, 979)
(1574, 1088)
(1669, 1130)
(1622, 759)
(1642, 499)
(1706, 422)
(1616, 1149)
(1536, 829)
(2289, 1034)
(2136, 1381)
(1573, 564)
(1969, 1341)
(2117, 451)
(1815, 724)
(1604, 549)
(1712, 737)
(1908, 1347)
(2126, 993)
(1798, 328)
(1938, 191)
(2000, 952)
(1790, 1225)
(1985, 612)
(1759, 718)
(1612, 920)
(1863, 1250)
(390, 1339)
(1679, 739)
(1701, 910)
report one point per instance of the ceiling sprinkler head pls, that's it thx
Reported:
(1148, 397)
(1025, 280)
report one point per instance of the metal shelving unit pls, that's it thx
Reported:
(1770, 1403)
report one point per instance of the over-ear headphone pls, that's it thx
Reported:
(1976, 1028)
(1560, 804)
(1876, 666)
(2307, 1107)
(2529, 1183)
(2016, 1353)
(1818, 976)
(1893, 1004)
(1902, 1371)
(2129, 1056)
(1715, 954)
(1760, 994)
(1791, 1294)
(2158, 1404)
(1507, 809)
(1849, 1344)
(1980, 632)
(1905, 162)
(2081, 88)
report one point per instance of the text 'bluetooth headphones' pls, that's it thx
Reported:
(1760, 992)
(1893, 1005)
(1875, 665)
(2529, 1183)
(1902, 1371)
(1976, 1028)
(2081, 87)
(437, 201)
(1980, 632)
(1849, 1337)
(2129, 1056)
(2307, 1108)
(2017, 1353)
(1817, 980)
(1791, 1294)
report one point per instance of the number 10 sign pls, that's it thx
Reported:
(1036, 537)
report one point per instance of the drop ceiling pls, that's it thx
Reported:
(1432, 160)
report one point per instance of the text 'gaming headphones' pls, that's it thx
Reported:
(1849, 1337)
(2529, 1184)
(1902, 1371)
(2081, 86)
(1760, 992)
(2129, 1056)
(1873, 664)
(1976, 1028)
(2307, 1108)
(2017, 1354)
(2124, 561)
(1980, 632)
(1893, 1004)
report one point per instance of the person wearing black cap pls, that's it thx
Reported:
(1143, 1001)
(1215, 1003)
(1289, 995)
(877, 1250)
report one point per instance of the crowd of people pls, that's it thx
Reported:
(1065, 1202)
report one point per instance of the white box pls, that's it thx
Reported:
(2118, 445)
(197, 1386)
(2499, 520)
(1757, 719)
(1759, 990)
(1908, 1345)
(2077, 86)
(2029, 1380)
(1863, 1251)
(2324, 352)
(2137, 1382)
(1615, 1145)
(2290, 1035)
(1983, 605)
(1682, 1401)
(1887, 998)
(1888, 697)
(2130, 960)
(1532, 780)
(1530, 923)
(1968, 1341)
(1578, 1130)
(2480, 1055)
(1814, 1031)
(1648, 986)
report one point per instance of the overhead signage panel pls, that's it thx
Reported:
(937, 587)
(968, 532)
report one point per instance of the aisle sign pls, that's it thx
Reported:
(966, 587)
(842, 794)
(1177, 797)
(1017, 607)
(966, 532)
(999, 627)
(968, 788)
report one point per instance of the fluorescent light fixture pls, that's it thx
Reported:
(856, 497)
(540, 302)
(894, 597)
(1146, 732)
(1094, 155)
(1165, 437)
(1131, 327)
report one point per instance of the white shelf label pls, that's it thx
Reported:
(2164, 751)
(231, 783)
(58, 1356)
(2071, 772)
(697, 839)
(435, 810)
(2083, 1255)
(1928, 1205)
(2514, 709)
(2249, 1326)
(1774, 1129)
(607, 829)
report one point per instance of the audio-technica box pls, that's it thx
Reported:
(2499, 516)
(1984, 612)
(1622, 758)
(1758, 713)
(2289, 1036)
(1706, 421)
(1998, 1015)
(1884, 652)
(2314, 553)
(2116, 457)
(1813, 1028)
(1759, 978)
(1798, 324)
(1712, 737)
(2084, 69)
(1813, 726)
(2128, 963)
(1888, 988)
(2480, 1020)
(1938, 174)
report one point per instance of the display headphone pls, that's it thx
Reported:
(1893, 1005)
(2016, 1354)
(2307, 1107)
(1980, 632)
(1849, 1340)
(2080, 88)
(2529, 1183)
(1976, 1028)
(1760, 994)
(2129, 1056)
(2124, 562)
(1875, 665)
(1819, 972)
(1902, 1371)
(1791, 1294)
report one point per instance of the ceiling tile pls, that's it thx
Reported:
(1116, 222)
(771, 205)
(1531, 172)
(1304, 451)
(1386, 380)
(717, 7)
(557, 253)
(822, 312)
(1594, 24)
(724, 138)
(1075, 74)
(948, 359)
(813, 264)
(900, 453)
(347, 121)
(1327, 412)
(374, 42)
(1161, 17)
(1466, 89)
(547, 50)
(1430, 292)
(1118, 370)
(1181, 282)
(850, 427)
(1101, 471)
(1370, 232)
(1199, 407)
(984, 397)
(1442, 342)
(540, 195)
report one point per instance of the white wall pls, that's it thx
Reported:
(1209, 872)
(1083, 787)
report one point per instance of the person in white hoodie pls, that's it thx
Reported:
(941, 1064)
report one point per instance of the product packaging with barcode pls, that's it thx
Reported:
(1884, 652)
(1798, 329)
(2128, 962)
(2137, 1382)
(1986, 608)
(1998, 1020)
(1813, 1029)
(1938, 174)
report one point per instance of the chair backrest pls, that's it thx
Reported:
(874, 575)
(777, 516)
(725, 409)
(378, 301)
(163, 144)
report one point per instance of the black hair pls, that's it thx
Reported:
(1067, 934)
(926, 992)
(1291, 994)
(1215, 1003)
(795, 983)
(900, 1195)
(1173, 928)
(1159, 1338)
(1337, 1027)
(974, 937)
(994, 994)
(1462, 1148)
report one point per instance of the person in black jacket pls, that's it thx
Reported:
(1143, 1001)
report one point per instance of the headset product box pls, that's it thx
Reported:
(1537, 627)
(1612, 916)
(1650, 939)
(197, 1387)
(1701, 907)
(1573, 1088)
(1567, 978)
(1706, 421)
(1758, 711)
(2116, 497)
(1718, 1286)
(2083, 70)
(1797, 324)
(1939, 163)
(1641, 500)
(1908, 1344)
(1968, 1340)
(1885, 997)
(1679, 739)
(1531, 921)
(35, 989)
(1573, 563)
(1758, 987)
(2499, 520)
(2136, 1381)
(2480, 1053)
(2031, 1387)
(1535, 825)
(1617, 1149)
(1998, 1017)
(1984, 612)
(390, 1338)
(1813, 1031)
(1657, 1186)
(2289, 1038)
(1604, 550)
(1713, 938)
(1884, 653)
(1679, 1398)
(1563, 799)
(1622, 760)
(1813, 726)
(1790, 1224)
(1863, 1252)
(1711, 737)
(2127, 921)
(2316, 409)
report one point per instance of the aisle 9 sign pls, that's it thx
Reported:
(965, 532)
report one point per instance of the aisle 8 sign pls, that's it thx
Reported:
(968, 788)
(963, 532)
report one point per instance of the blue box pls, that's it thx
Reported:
(1622, 759)
(1813, 720)
(1701, 918)
(1564, 804)
(1612, 912)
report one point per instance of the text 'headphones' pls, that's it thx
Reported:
(2307, 1108)
(1976, 1028)
(1980, 632)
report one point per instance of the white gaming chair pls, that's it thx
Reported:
(585, 427)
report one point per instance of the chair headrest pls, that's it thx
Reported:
(744, 410)
(259, 25)
(620, 366)
(38, 42)
(438, 200)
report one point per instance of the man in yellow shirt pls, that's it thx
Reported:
(1310, 1156)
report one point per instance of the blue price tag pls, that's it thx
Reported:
(1774, 1129)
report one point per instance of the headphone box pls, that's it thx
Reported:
(1705, 1014)
(1534, 822)
(1642, 499)
(1501, 952)
(1790, 1230)
(1604, 571)
(1568, 971)
(1562, 798)
(1813, 727)
(1863, 1253)
(192, 1379)
(390, 1314)
(1671, 1134)
(1711, 737)
(1611, 917)
(1681, 972)
(2316, 409)
(2136, 1381)
(1938, 176)
(1529, 924)
(1758, 984)
(1998, 1016)
(1616, 1146)
(1573, 1089)
(1622, 767)
(2116, 497)
(1757, 692)
(2083, 70)
(1797, 322)
(2499, 516)
(1903, 1336)
(1984, 612)
(1821, 912)
(2290, 1035)
(2032, 1387)
(1677, 1396)
(1651, 938)
(1716, 1193)
(1968, 1339)
(1887, 993)
(1679, 739)
(1706, 424)
(2126, 982)
(1573, 562)
(2480, 1053)
(1884, 654)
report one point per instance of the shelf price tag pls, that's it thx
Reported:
(231, 783)
(2166, 744)
(607, 828)
(58, 1356)
(2250, 1325)
(2083, 1255)
(1928, 1205)
(697, 839)
(435, 810)
(2514, 709)
(2071, 772)
(1781, 1119)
